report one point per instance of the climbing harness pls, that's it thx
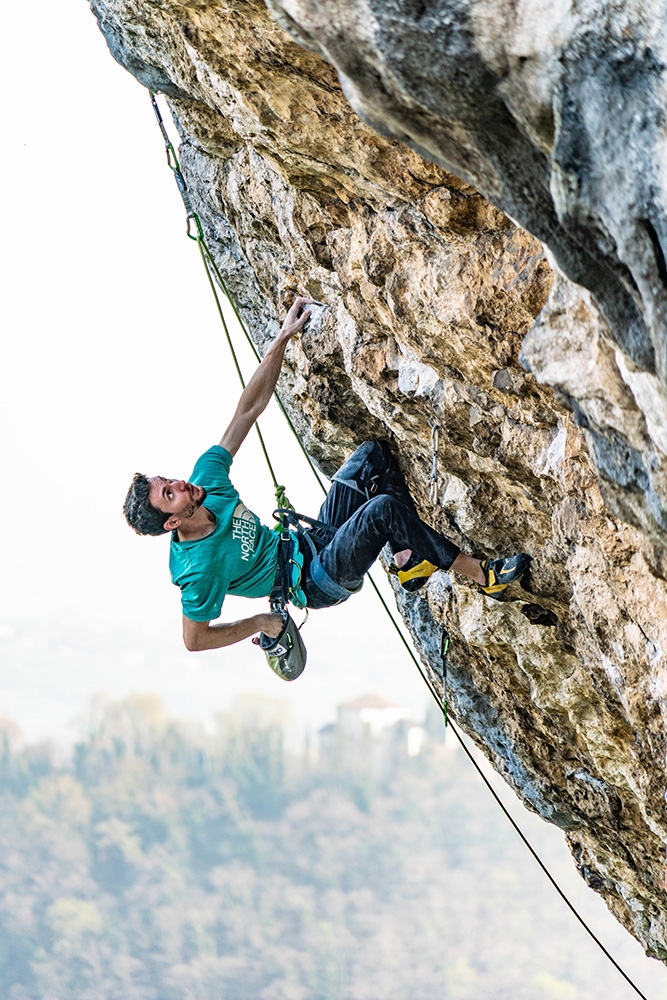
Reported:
(289, 573)
(286, 654)
(314, 539)
(435, 445)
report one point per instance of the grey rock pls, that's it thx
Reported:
(555, 114)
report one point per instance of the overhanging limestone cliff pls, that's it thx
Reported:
(434, 299)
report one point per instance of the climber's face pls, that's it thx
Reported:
(175, 498)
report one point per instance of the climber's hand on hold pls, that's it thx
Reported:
(295, 320)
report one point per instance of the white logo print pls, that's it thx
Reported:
(244, 530)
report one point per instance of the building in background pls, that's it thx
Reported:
(370, 737)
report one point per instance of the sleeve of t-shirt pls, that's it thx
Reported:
(212, 470)
(201, 602)
(200, 607)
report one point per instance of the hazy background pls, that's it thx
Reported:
(102, 292)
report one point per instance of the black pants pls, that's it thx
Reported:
(369, 504)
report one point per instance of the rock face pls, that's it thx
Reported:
(439, 308)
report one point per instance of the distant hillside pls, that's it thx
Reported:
(162, 865)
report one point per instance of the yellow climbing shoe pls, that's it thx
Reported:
(415, 573)
(499, 573)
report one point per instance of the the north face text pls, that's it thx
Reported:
(244, 530)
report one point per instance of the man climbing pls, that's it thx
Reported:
(219, 547)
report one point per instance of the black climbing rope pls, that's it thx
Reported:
(215, 278)
(427, 680)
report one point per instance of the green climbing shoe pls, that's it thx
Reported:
(499, 573)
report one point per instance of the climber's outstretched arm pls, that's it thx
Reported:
(258, 392)
(203, 635)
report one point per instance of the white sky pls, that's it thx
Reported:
(101, 292)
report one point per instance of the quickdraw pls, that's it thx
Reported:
(444, 649)
(435, 445)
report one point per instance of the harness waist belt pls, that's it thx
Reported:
(287, 580)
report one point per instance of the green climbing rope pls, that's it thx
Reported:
(214, 276)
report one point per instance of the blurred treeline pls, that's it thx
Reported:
(161, 863)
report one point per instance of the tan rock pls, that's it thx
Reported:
(432, 296)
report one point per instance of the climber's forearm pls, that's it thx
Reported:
(198, 636)
(259, 390)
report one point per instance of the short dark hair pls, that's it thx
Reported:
(140, 514)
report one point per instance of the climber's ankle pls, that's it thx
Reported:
(467, 566)
(400, 558)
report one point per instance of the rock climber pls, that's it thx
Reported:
(219, 547)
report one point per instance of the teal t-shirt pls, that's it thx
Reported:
(239, 557)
